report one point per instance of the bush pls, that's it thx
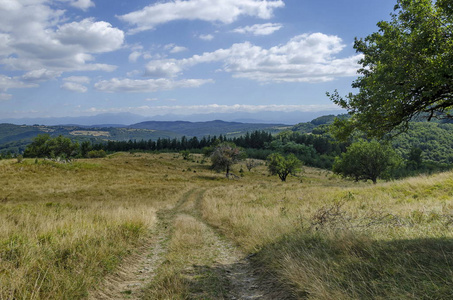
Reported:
(96, 154)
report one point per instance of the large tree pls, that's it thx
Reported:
(366, 160)
(407, 70)
(46, 146)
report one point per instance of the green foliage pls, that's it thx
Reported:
(96, 154)
(185, 154)
(306, 127)
(281, 166)
(225, 156)
(407, 70)
(85, 147)
(366, 160)
(45, 146)
(434, 139)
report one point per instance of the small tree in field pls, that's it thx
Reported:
(251, 163)
(366, 160)
(281, 166)
(225, 156)
(185, 154)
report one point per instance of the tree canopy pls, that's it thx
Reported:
(366, 160)
(406, 70)
(281, 166)
(45, 146)
(225, 156)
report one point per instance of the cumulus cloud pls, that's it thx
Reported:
(225, 11)
(206, 37)
(74, 87)
(82, 4)
(77, 79)
(146, 86)
(40, 75)
(163, 68)
(259, 29)
(7, 83)
(134, 56)
(76, 84)
(90, 36)
(177, 49)
(34, 36)
(305, 58)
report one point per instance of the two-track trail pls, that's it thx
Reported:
(187, 259)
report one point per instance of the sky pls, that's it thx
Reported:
(61, 58)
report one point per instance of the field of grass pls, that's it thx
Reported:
(65, 227)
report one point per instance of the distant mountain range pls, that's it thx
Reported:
(125, 119)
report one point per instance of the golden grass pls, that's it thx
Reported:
(333, 239)
(64, 226)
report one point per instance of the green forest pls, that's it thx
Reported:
(426, 147)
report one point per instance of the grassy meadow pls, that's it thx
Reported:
(64, 227)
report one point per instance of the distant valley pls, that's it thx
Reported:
(14, 138)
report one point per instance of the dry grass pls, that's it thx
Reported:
(339, 240)
(189, 270)
(64, 226)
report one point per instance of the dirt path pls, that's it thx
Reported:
(136, 271)
(203, 264)
(241, 280)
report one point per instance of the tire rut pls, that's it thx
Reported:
(244, 281)
(139, 269)
(239, 278)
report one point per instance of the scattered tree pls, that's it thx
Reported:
(407, 70)
(224, 156)
(281, 166)
(366, 160)
(251, 163)
(185, 154)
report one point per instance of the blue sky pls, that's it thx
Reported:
(63, 58)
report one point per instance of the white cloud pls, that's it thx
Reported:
(5, 97)
(151, 99)
(177, 49)
(74, 87)
(215, 108)
(259, 29)
(40, 75)
(34, 36)
(146, 86)
(206, 37)
(225, 11)
(90, 36)
(7, 83)
(78, 79)
(174, 48)
(305, 58)
(133, 73)
(163, 68)
(134, 56)
(76, 84)
(82, 4)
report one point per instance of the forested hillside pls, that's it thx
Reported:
(434, 139)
